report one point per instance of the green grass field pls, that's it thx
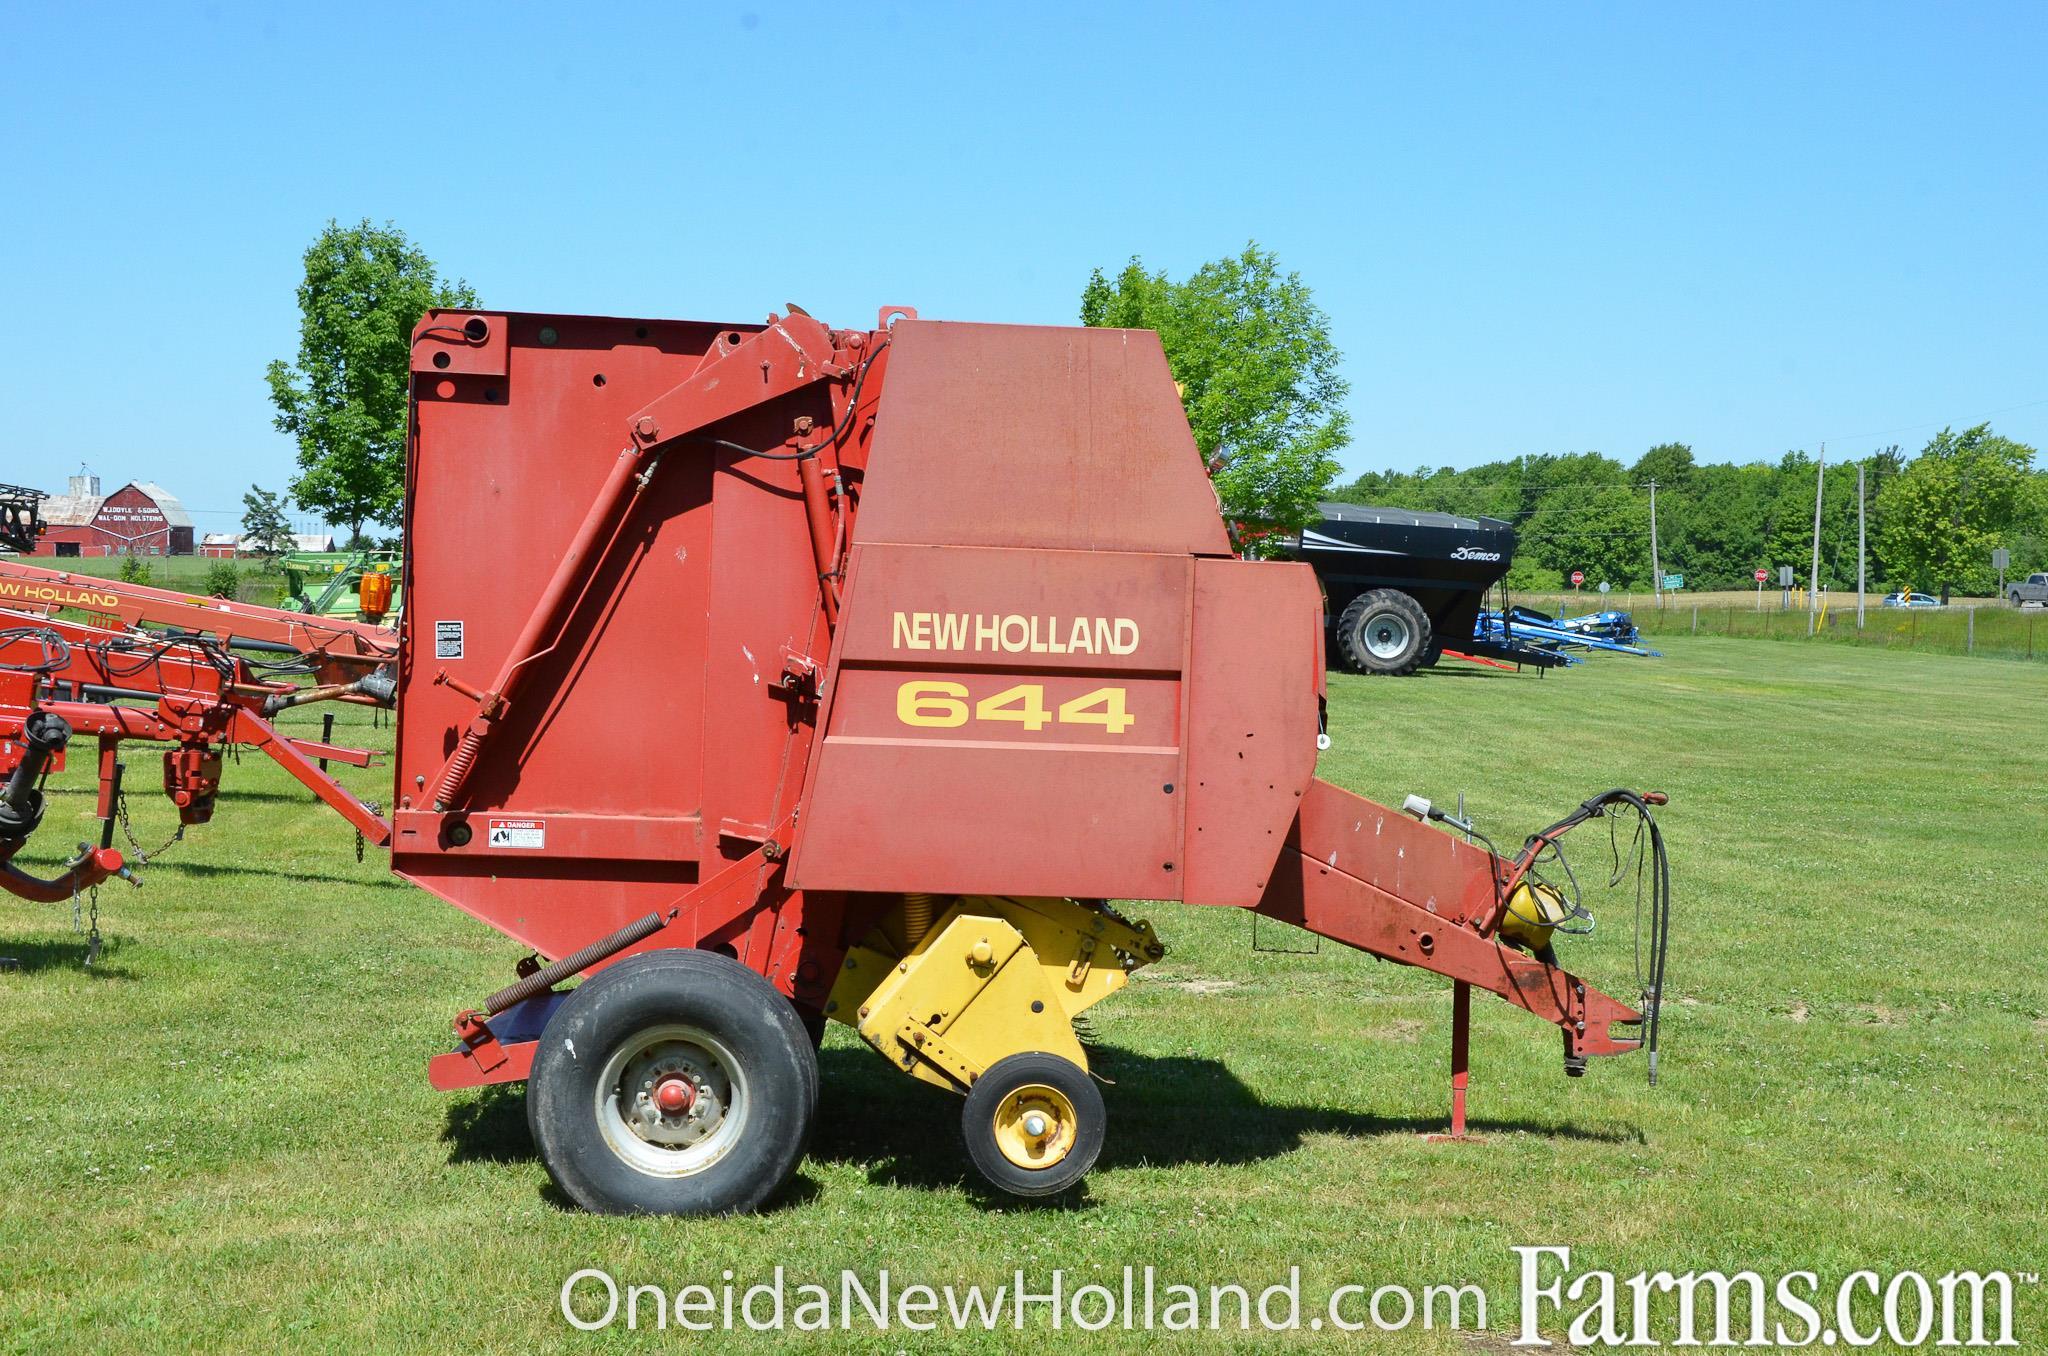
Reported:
(171, 572)
(189, 573)
(223, 1137)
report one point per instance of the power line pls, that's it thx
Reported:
(1939, 423)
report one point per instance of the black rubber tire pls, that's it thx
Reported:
(1362, 612)
(985, 1098)
(814, 1026)
(1431, 656)
(719, 997)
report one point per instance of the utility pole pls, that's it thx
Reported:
(1860, 516)
(1656, 571)
(1820, 475)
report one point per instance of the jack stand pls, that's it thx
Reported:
(1461, 1061)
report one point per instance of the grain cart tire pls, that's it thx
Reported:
(677, 1082)
(1034, 1124)
(1383, 631)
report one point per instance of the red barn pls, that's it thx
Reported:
(138, 519)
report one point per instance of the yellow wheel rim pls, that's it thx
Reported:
(1034, 1126)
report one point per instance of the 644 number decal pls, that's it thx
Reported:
(938, 705)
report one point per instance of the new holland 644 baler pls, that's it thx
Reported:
(932, 643)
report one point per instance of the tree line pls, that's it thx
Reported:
(1933, 518)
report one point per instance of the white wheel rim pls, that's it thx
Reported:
(1386, 635)
(662, 1145)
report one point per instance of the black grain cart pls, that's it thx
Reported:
(1399, 585)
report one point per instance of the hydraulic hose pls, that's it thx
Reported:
(1656, 937)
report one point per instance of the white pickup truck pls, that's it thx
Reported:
(2033, 589)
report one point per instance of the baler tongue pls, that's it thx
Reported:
(1362, 874)
(1367, 876)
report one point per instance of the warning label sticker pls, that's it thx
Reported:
(518, 833)
(447, 640)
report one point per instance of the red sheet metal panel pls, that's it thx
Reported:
(1002, 721)
(1252, 722)
(1420, 863)
(575, 829)
(472, 345)
(763, 607)
(1014, 435)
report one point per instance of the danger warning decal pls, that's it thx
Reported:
(518, 833)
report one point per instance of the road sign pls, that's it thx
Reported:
(1762, 575)
(1784, 576)
(1674, 581)
(1603, 586)
(1578, 578)
(2000, 558)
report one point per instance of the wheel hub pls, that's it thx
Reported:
(1034, 1127)
(1386, 636)
(673, 1094)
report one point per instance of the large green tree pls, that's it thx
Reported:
(344, 400)
(1580, 512)
(1964, 495)
(1257, 370)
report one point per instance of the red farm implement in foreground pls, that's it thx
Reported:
(349, 660)
(191, 685)
(60, 679)
(932, 643)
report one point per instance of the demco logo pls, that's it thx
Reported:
(1474, 553)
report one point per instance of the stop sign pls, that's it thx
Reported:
(1578, 578)
(1762, 575)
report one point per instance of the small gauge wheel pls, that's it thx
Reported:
(1034, 1124)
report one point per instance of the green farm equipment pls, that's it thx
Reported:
(361, 585)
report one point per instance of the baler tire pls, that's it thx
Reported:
(677, 1004)
(1407, 620)
(985, 1104)
(814, 1026)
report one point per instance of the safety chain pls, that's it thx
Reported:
(142, 857)
(80, 926)
(375, 809)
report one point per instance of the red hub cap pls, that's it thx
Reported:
(673, 1096)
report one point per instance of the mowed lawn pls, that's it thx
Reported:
(223, 1138)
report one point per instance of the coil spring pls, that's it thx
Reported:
(457, 771)
(917, 917)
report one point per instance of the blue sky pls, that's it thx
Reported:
(1536, 228)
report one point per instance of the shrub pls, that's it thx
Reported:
(1526, 576)
(222, 579)
(135, 570)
